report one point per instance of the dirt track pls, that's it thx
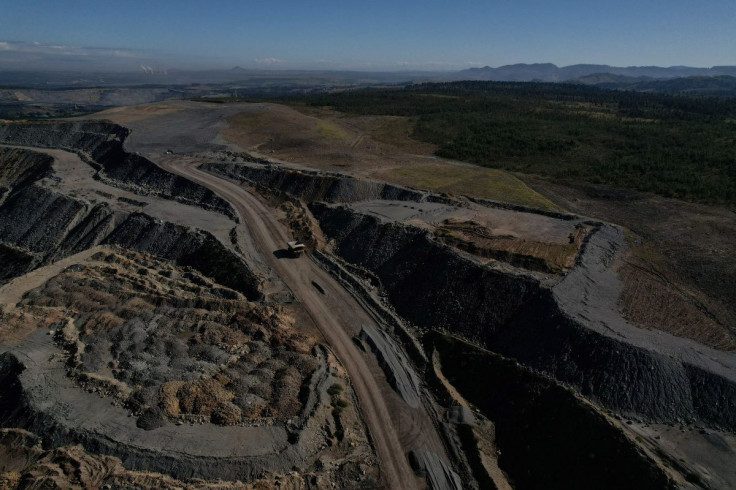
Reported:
(335, 313)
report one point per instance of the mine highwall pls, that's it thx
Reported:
(311, 186)
(433, 286)
(39, 225)
(102, 145)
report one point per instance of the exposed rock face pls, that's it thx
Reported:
(426, 281)
(434, 286)
(39, 219)
(21, 167)
(15, 262)
(531, 422)
(314, 186)
(102, 144)
(39, 225)
(195, 248)
(53, 226)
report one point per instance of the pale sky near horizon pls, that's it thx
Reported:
(379, 35)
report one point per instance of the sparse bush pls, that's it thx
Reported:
(334, 390)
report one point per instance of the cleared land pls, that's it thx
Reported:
(371, 146)
(468, 180)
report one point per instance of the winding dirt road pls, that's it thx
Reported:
(335, 313)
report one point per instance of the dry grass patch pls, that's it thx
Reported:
(281, 129)
(468, 180)
(394, 131)
(651, 297)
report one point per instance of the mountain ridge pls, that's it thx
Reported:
(549, 72)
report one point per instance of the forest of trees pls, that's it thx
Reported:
(676, 146)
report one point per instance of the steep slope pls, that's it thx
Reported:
(314, 186)
(557, 330)
(101, 144)
(39, 225)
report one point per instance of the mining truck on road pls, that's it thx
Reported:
(296, 248)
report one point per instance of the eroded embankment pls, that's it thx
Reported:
(433, 286)
(39, 225)
(101, 144)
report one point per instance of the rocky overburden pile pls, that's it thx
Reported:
(164, 370)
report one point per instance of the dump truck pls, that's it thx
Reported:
(296, 248)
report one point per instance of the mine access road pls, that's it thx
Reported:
(395, 427)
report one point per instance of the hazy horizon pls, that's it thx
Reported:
(414, 36)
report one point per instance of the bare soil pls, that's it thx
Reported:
(482, 241)
(679, 275)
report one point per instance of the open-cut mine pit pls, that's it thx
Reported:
(155, 330)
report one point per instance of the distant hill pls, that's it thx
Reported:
(722, 85)
(548, 72)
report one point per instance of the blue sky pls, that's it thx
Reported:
(366, 35)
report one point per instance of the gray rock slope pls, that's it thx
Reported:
(317, 186)
(102, 144)
(39, 225)
(554, 329)
(314, 186)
